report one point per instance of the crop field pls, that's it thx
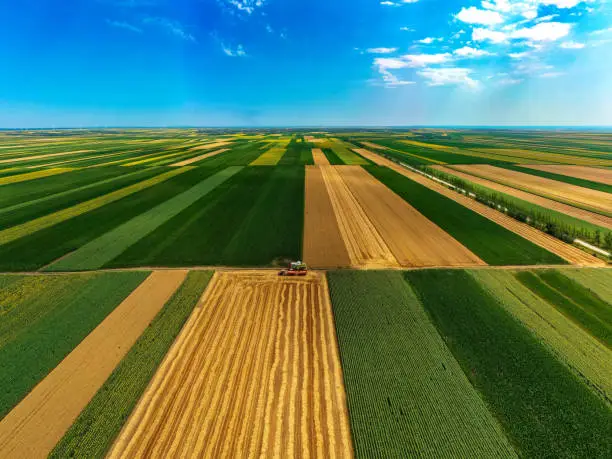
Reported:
(457, 303)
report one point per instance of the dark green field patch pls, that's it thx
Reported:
(241, 155)
(42, 318)
(42, 247)
(298, 152)
(581, 305)
(435, 155)
(253, 219)
(332, 157)
(491, 242)
(544, 408)
(99, 423)
(406, 394)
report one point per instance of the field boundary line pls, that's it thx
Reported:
(40, 420)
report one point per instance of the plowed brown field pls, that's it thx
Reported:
(319, 157)
(255, 372)
(597, 201)
(40, 420)
(323, 244)
(595, 174)
(413, 239)
(375, 146)
(591, 217)
(365, 245)
(210, 146)
(189, 161)
(567, 252)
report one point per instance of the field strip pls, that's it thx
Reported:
(323, 243)
(566, 251)
(154, 158)
(48, 155)
(365, 246)
(40, 420)
(594, 174)
(584, 355)
(272, 387)
(587, 216)
(319, 157)
(210, 146)
(87, 158)
(413, 239)
(270, 157)
(371, 145)
(110, 245)
(559, 191)
(345, 155)
(38, 224)
(189, 161)
(60, 194)
(33, 175)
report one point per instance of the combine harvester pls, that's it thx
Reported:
(295, 268)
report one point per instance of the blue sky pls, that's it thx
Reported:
(309, 63)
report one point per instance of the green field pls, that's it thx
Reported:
(42, 318)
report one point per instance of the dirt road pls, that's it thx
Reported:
(254, 373)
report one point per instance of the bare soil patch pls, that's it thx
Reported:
(319, 157)
(594, 174)
(189, 161)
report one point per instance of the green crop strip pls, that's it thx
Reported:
(100, 422)
(7, 180)
(332, 157)
(110, 245)
(347, 156)
(545, 409)
(44, 317)
(584, 355)
(491, 242)
(265, 223)
(407, 396)
(578, 303)
(47, 221)
(599, 281)
(562, 178)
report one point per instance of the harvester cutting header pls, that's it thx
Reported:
(295, 268)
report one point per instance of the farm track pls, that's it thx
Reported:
(582, 214)
(323, 244)
(319, 157)
(594, 174)
(255, 372)
(568, 252)
(413, 239)
(598, 201)
(365, 245)
(40, 420)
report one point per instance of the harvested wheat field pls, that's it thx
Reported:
(591, 217)
(372, 145)
(189, 161)
(365, 245)
(597, 201)
(323, 243)
(210, 146)
(319, 157)
(42, 156)
(594, 174)
(40, 420)
(254, 373)
(413, 239)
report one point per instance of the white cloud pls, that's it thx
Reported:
(237, 52)
(602, 31)
(480, 34)
(473, 15)
(173, 27)
(421, 60)
(571, 45)
(398, 2)
(381, 50)
(384, 63)
(561, 3)
(406, 29)
(519, 55)
(550, 17)
(509, 81)
(246, 6)
(468, 51)
(392, 81)
(551, 74)
(124, 25)
(428, 40)
(545, 31)
(448, 76)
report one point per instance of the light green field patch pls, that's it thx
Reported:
(589, 359)
(38, 224)
(599, 281)
(110, 245)
(34, 175)
(346, 155)
(272, 156)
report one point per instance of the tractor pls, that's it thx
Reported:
(295, 268)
